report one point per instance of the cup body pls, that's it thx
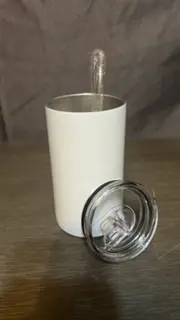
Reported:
(86, 144)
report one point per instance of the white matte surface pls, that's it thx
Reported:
(86, 150)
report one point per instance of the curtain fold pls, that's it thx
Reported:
(45, 48)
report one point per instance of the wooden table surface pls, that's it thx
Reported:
(46, 274)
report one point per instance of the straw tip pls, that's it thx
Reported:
(98, 59)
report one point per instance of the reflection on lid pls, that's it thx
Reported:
(114, 229)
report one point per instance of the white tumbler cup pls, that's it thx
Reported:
(86, 150)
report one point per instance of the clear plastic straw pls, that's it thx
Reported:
(97, 69)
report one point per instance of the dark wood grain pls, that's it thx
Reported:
(46, 274)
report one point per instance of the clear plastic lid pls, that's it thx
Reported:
(119, 220)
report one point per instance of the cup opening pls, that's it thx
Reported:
(84, 103)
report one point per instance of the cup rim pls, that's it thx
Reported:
(120, 103)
